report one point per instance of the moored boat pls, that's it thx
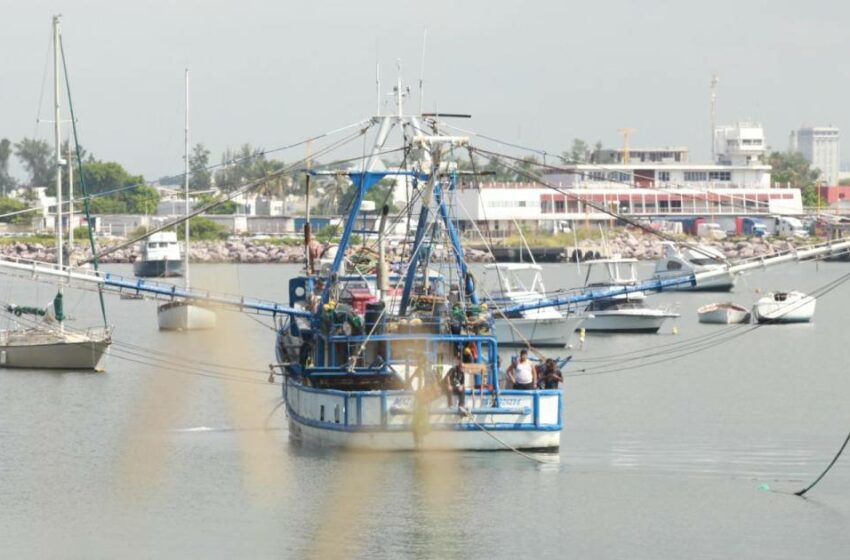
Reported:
(420, 374)
(723, 313)
(622, 313)
(683, 262)
(508, 284)
(784, 307)
(160, 257)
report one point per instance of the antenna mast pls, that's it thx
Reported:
(422, 71)
(378, 88)
(713, 98)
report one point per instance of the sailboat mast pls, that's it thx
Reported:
(57, 142)
(186, 187)
(70, 201)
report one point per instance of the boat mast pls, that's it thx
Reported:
(70, 201)
(59, 162)
(56, 141)
(186, 188)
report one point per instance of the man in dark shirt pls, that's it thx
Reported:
(453, 383)
(550, 376)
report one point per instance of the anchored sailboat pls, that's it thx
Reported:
(45, 343)
(183, 315)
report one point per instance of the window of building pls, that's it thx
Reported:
(546, 206)
(696, 176)
(664, 176)
(720, 175)
(559, 207)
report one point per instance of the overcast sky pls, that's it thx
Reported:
(541, 73)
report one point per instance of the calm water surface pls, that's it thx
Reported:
(660, 457)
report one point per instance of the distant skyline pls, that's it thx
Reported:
(535, 73)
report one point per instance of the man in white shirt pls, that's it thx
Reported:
(522, 374)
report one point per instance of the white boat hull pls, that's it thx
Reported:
(798, 310)
(627, 320)
(723, 315)
(537, 332)
(382, 420)
(74, 355)
(180, 316)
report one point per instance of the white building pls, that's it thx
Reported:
(637, 189)
(739, 144)
(820, 145)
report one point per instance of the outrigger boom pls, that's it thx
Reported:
(86, 278)
(661, 285)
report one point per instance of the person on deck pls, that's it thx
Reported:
(549, 375)
(522, 374)
(453, 383)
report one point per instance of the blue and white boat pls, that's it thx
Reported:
(367, 373)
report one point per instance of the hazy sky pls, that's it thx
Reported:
(541, 73)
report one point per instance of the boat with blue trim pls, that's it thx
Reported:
(408, 366)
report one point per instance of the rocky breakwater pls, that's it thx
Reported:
(643, 246)
(230, 251)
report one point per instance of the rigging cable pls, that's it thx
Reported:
(823, 474)
(83, 185)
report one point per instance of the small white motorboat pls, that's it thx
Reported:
(515, 283)
(784, 307)
(621, 313)
(723, 314)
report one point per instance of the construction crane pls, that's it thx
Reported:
(626, 132)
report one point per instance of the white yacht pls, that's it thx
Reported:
(684, 261)
(509, 284)
(784, 307)
(160, 257)
(621, 313)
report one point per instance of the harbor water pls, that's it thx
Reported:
(685, 445)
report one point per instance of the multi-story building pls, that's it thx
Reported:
(820, 145)
(651, 187)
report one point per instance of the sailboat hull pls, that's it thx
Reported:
(181, 316)
(76, 355)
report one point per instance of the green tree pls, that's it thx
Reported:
(199, 161)
(204, 229)
(579, 152)
(132, 196)
(792, 169)
(9, 205)
(228, 207)
(37, 158)
(7, 182)
(527, 169)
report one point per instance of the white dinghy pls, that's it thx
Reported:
(723, 314)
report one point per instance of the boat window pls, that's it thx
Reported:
(674, 265)
(704, 262)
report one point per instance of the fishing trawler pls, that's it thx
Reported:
(374, 378)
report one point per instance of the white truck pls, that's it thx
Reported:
(709, 230)
(787, 226)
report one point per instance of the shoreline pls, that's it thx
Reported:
(628, 245)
